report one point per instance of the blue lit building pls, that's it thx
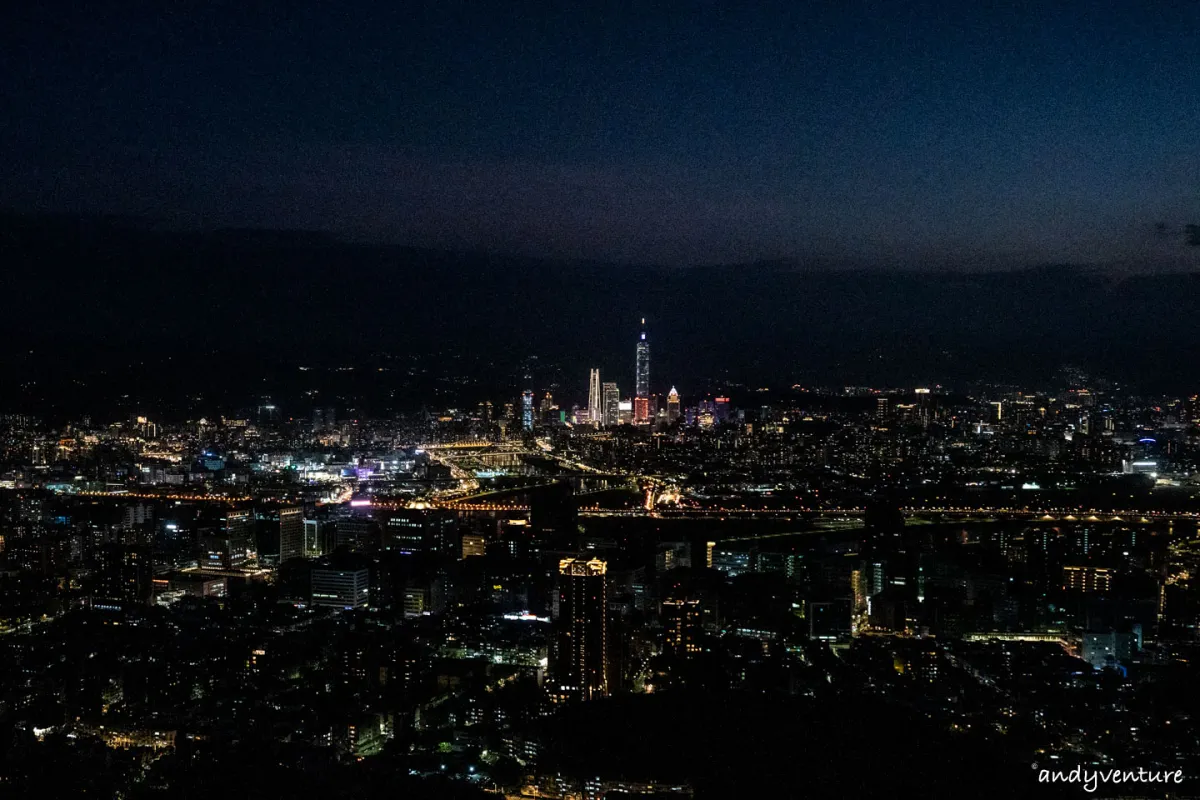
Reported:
(527, 410)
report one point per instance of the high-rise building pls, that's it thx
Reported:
(122, 577)
(527, 410)
(926, 407)
(230, 546)
(681, 626)
(578, 670)
(642, 387)
(722, 409)
(291, 533)
(672, 405)
(612, 404)
(641, 409)
(546, 409)
(595, 409)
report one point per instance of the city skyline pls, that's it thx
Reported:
(497, 567)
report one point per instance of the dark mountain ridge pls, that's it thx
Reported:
(89, 291)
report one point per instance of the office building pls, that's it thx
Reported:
(345, 588)
(681, 626)
(410, 531)
(230, 546)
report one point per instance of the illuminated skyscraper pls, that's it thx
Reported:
(580, 653)
(612, 405)
(643, 365)
(672, 405)
(527, 410)
(641, 409)
(595, 409)
(926, 407)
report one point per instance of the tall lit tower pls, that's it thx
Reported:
(643, 364)
(580, 654)
(595, 409)
(527, 410)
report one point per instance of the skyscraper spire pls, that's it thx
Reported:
(642, 382)
(641, 400)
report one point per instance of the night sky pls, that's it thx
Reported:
(892, 135)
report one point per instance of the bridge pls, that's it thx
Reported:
(927, 515)
(191, 498)
(478, 502)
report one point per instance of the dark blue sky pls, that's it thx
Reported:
(892, 134)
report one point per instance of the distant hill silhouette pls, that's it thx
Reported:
(91, 290)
